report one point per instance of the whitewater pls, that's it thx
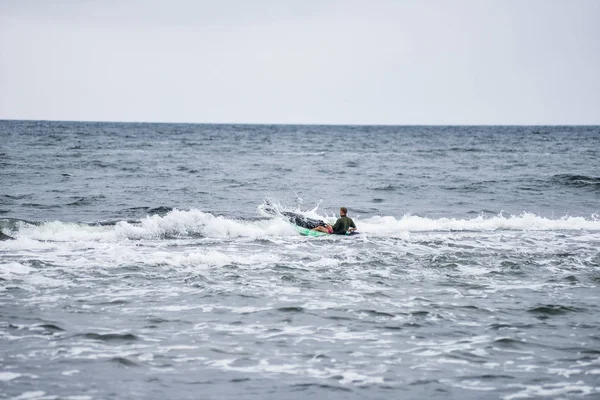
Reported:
(182, 223)
(143, 265)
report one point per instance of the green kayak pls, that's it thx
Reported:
(308, 232)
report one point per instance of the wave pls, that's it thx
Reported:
(86, 200)
(195, 223)
(173, 224)
(523, 222)
(581, 181)
(385, 225)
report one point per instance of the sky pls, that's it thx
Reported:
(389, 62)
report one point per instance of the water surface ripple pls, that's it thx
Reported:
(143, 268)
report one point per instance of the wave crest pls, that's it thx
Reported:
(196, 223)
(523, 222)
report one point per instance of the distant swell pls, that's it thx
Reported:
(386, 188)
(84, 201)
(124, 362)
(552, 309)
(52, 328)
(110, 337)
(581, 181)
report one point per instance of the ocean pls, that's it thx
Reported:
(144, 267)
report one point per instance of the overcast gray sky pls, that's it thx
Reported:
(309, 61)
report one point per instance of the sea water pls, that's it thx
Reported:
(143, 267)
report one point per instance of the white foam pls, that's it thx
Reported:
(175, 223)
(523, 222)
(17, 271)
(30, 395)
(389, 225)
(553, 390)
(265, 366)
(146, 357)
(66, 232)
(180, 347)
(180, 223)
(14, 268)
(357, 378)
(8, 376)
(564, 372)
(195, 222)
(593, 372)
(247, 309)
(174, 308)
(473, 385)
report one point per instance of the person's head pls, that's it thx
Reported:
(343, 211)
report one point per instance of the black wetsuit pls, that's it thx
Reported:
(302, 221)
(342, 225)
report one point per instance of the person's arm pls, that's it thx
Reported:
(352, 226)
(336, 226)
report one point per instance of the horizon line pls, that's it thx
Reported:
(277, 123)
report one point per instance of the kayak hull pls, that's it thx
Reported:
(308, 232)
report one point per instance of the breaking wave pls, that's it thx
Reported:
(196, 223)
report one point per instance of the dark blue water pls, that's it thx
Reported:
(93, 171)
(143, 267)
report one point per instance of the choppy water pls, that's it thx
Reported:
(143, 268)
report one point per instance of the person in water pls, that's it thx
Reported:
(343, 225)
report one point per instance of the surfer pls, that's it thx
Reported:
(342, 226)
(324, 228)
